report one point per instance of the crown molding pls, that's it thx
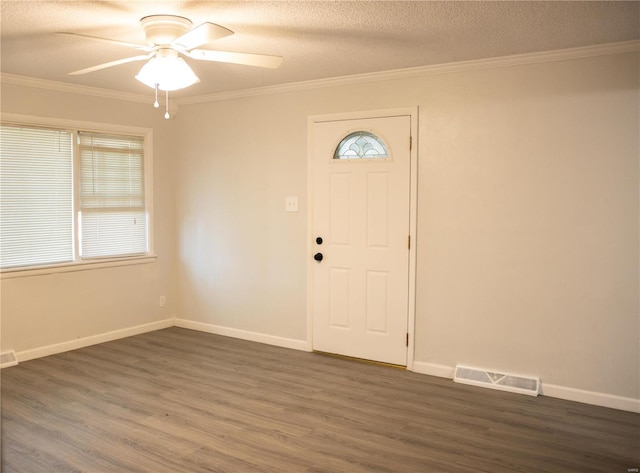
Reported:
(411, 72)
(72, 88)
(423, 71)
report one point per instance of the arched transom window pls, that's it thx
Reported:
(361, 144)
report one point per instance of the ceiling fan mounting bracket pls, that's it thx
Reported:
(164, 29)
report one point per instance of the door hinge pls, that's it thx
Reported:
(410, 143)
(407, 339)
(409, 242)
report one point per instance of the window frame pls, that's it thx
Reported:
(75, 126)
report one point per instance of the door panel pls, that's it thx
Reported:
(377, 311)
(339, 195)
(378, 210)
(339, 279)
(361, 211)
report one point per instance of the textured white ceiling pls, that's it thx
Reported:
(318, 39)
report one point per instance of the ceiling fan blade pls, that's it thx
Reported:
(141, 47)
(202, 34)
(142, 57)
(259, 60)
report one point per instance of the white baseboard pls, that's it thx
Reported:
(283, 342)
(432, 369)
(92, 340)
(550, 390)
(62, 347)
(591, 397)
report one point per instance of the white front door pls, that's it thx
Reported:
(360, 211)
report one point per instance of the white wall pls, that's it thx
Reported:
(40, 311)
(527, 216)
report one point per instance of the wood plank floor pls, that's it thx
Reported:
(181, 401)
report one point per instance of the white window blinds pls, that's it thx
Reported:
(112, 212)
(36, 196)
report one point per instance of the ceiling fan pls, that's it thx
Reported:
(168, 38)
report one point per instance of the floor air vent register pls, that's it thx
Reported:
(8, 358)
(494, 380)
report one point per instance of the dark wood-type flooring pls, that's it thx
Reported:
(181, 401)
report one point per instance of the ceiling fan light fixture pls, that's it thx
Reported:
(167, 71)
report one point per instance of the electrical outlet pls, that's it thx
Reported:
(163, 301)
(291, 204)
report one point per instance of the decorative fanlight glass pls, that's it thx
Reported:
(361, 144)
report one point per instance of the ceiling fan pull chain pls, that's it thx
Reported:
(166, 113)
(156, 104)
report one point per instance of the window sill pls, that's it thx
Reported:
(11, 273)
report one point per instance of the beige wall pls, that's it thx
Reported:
(39, 311)
(527, 216)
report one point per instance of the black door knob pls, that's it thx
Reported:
(318, 257)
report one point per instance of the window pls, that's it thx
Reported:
(361, 144)
(112, 211)
(36, 196)
(70, 196)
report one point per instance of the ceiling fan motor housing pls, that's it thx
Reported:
(164, 29)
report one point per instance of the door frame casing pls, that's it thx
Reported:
(412, 112)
